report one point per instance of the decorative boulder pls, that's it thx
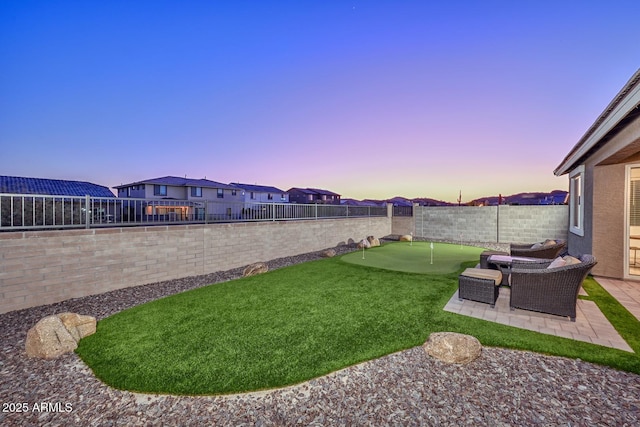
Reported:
(79, 326)
(253, 269)
(451, 347)
(329, 253)
(406, 238)
(59, 334)
(373, 241)
(364, 243)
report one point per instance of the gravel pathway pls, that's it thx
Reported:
(500, 388)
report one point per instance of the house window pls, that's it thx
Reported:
(270, 196)
(576, 201)
(253, 195)
(220, 193)
(159, 190)
(196, 191)
(634, 199)
(233, 192)
(283, 197)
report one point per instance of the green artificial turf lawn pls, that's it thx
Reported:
(294, 324)
(415, 257)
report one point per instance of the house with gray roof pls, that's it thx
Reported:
(604, 187)
(183, 198)
(313, 195)
(178, 188)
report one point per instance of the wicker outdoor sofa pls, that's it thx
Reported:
(536, 287)
(548, 249)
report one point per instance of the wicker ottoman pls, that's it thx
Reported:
(479, 284)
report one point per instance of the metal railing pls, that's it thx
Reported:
(403, 211)
(20, 212)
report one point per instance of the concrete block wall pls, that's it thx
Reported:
(525, 224)
(401, 225)
(455, 223)
(504, 224)
(44, 267)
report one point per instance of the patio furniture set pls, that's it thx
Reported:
(539, 277)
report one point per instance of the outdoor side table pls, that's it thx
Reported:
(484, 258)
(503, 263)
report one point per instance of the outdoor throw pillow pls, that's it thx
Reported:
(558, 262)
(549, 242)
(536, 246)
(569, 260)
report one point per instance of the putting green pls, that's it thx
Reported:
(415, 257)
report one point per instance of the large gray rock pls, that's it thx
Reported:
(373, 241)
(253, 269)
(364, 243)
(451, 347)
(56, 335)
(328, 253)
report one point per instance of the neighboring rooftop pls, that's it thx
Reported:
(177, 181)
(323, 192)
(53, 187)
(258, 188)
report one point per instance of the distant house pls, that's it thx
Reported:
(555, 198)
(173, 187)
(604, 187)
(52, 187)
(199, 195)
(261, 193)
(313, 195)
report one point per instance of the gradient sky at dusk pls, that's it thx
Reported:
(370, 99)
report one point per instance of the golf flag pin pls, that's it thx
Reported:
(431, 245)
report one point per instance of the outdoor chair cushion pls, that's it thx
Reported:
(569, 260)
(547, 242)
(483, 273)
(563, 261)
(549, 249)
(558, 262)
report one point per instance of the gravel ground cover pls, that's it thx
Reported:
(502, 387)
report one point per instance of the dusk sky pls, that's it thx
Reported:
(369, 99)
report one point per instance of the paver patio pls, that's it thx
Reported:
(590, 325)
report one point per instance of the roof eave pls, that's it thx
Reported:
(623, 103)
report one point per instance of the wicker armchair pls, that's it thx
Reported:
(549, 290)
(545, 251)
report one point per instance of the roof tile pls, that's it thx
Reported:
(53, 187)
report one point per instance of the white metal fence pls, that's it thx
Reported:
(20, 212)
